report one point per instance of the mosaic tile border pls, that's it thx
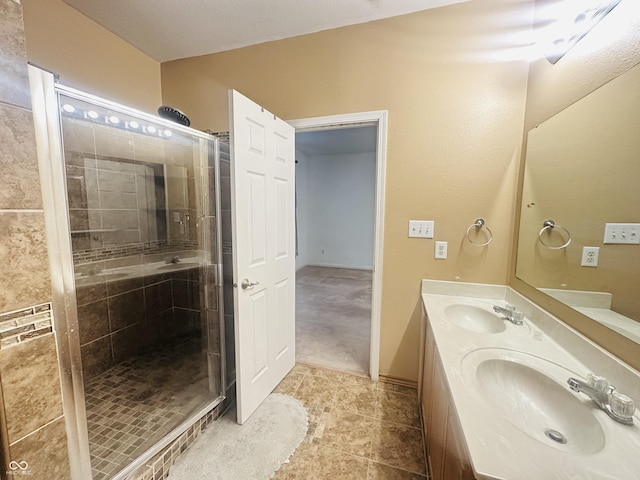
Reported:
(25, 324)
(116, 251)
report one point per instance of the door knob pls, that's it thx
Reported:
(246, 284)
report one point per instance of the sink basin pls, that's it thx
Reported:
(475, 318)
(531, 393)
(179, 266)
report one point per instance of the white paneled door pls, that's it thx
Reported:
(263, 196)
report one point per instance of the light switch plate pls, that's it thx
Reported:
(590, 256)
(441, 250)
(622, 233)
(421, 228)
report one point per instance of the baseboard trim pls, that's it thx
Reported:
(399, 381)
(331, 265)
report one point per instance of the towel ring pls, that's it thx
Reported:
(550, 225)
(479, 223)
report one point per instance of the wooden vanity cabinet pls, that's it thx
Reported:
(456, 461)
(446, 450)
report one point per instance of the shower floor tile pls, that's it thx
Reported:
(132, 405)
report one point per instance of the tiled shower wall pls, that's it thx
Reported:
(119, 319)
(32, 424)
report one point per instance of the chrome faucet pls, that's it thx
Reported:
(510, 313)
(618, 406)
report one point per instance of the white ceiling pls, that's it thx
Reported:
(172, 29)
(336, 142)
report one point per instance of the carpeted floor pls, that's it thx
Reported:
(255, 450)
(333, 318)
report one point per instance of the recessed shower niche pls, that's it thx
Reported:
(135, 217)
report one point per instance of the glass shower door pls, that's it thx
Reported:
(143, 224)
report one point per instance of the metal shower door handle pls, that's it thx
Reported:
(246, 284)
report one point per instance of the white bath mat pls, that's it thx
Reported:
(255, 450)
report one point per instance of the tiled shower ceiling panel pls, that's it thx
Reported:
(171, 29)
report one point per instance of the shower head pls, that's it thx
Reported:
(174, 115)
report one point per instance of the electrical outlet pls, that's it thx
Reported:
(441, 250)
(622, 233)
(590, 256)
(421, 228)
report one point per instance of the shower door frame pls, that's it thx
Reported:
(45, 92)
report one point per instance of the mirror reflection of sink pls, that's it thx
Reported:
(111, 276)
(539, 404)
(179, 266)
(99, 278)
(474, 318)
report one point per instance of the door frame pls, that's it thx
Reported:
(350, 120)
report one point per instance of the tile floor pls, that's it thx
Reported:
(133, 404)
(333, 317)
(358, 429)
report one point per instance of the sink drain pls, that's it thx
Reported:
(556, 436)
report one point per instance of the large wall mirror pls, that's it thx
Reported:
(130, 189)
(582, 171)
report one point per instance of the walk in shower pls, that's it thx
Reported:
(134, 217)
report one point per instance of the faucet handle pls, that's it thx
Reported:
(601, 384)
(622, 404)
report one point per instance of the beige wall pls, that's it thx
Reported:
(455, 128)
(89, 57)
(609, 50)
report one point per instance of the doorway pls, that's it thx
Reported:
(340, 166)
(252, 136)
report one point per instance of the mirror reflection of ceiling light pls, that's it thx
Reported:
(113, 121)
(573, 20)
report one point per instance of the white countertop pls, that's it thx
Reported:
(498, 449)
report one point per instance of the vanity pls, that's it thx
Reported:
(495, 398)
(508, 394)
